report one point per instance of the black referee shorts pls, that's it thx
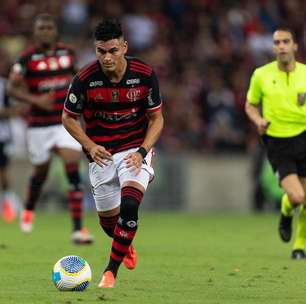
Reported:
(4, 160)
(287, 155)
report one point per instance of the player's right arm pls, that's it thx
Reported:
(73, 109)
(253, 103)
(17, 88)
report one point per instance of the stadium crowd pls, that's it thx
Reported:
(202, 50)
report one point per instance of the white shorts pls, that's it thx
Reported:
(42, 140)
(107, 181)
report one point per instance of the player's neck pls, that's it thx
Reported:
(118, 74)
(286, 67)
(47, 47)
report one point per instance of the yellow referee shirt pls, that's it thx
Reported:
(283, 98)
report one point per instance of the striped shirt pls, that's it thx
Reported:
(115, 114)
(45, 71)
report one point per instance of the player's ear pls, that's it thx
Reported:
(295, 47)
(126, 46)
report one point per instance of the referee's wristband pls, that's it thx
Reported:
(142, 151)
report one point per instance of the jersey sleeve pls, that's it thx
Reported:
(19, 68)
(254, 93)
(154, 101)
(75, 99)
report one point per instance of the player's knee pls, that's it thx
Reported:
(129, 209)
(297, 197)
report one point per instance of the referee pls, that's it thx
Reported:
(276, 105)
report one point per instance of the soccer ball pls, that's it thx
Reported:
(71, 273)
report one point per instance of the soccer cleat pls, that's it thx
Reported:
(81, 237)
(298, 254)
(130, 260)
(108, 280)
(8, 212)
(285, 228)
(26, 223)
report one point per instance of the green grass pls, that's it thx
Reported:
(213, 259)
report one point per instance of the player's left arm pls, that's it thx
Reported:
(155, 126)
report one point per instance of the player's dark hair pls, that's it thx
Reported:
(285, 28)
(108, 29)
(45, 17)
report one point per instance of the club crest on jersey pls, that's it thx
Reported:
(301, 98)
(115, 96)
(133, 94)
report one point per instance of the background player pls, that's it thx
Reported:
(41, 77)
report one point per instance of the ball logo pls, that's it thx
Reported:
(72, 98)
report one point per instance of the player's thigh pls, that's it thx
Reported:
(69, 155)
(105, 186)
(64, 140)
(293, 186)
(40, 142)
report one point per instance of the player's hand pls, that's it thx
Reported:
(262, 126)
(45, 101)
(100, 155)
(134, 161)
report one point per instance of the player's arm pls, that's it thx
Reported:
(72, 112)
(254, 114)
(253, 105)
(155, 126)
(17, 88)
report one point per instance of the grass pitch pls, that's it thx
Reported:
(183, 258)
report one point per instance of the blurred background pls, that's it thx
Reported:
(203, 51)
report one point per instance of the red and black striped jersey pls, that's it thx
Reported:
(45, 71)
(115, 114)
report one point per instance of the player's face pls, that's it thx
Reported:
(284, 46)
(45, 32)
(111, 53)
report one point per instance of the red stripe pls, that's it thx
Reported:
(58, 106)
(156, 109)
(87, 69)
(129, 235)
(106, 125)
(107, 138)
(137, 196)
(133, 144)
(116, 257)
(71, 167)
(102, 95)
(142, 65)
(84, 75)
(140, 71)
(72, 114)
(119, 247)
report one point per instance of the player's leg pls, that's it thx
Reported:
(36, 183)
(300, 236)
(71, 160)
(8, 210)
(133, 188)
(294, 195)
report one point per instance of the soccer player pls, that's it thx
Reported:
(276, 105)
(118, 97)
(40, 78)
(8, 202)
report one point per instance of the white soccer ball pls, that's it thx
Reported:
(71, 273)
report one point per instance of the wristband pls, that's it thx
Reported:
(142, 151)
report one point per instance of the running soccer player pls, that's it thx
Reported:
(118, 97)
(41, 78)
(280, 89)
